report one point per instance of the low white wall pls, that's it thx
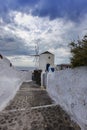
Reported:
(44, 79)
(68, 88)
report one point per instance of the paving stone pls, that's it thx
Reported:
(29, 86)
(32, 98)
(55, 122)
(28, 111)
(16, 120)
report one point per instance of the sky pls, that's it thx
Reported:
(52, 24)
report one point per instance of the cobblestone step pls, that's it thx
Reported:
(29, 95)
(52, 117)
(26, 99)
(33, 109)
(43, 118)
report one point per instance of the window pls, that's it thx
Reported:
(49, 57)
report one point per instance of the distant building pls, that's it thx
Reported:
(63, 66)
(46, 58)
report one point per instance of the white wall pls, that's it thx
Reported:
(10, 81)
(44, 60)
(68, 88)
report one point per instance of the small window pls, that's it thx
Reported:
(49, 57)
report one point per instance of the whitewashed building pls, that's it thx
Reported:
(44, 59)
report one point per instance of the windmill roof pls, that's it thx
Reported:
(46, 52)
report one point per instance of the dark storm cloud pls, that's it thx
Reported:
(11, 45)
(8, 5)
(15, 5)
(72, 9)
(20, 30)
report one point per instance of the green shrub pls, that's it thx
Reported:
(79, 52)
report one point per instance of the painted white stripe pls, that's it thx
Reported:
(44, 106)
(30, 108)
(13, 110)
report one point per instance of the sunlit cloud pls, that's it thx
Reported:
(19, 37)
(23, 61)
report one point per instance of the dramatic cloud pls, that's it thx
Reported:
(72, 9)
(22, 61)
(10, 44)
(19, 37)
(51, 24)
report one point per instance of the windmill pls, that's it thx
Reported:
(36, 60)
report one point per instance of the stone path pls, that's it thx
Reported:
(33, 109)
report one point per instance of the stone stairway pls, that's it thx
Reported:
(33, 109)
